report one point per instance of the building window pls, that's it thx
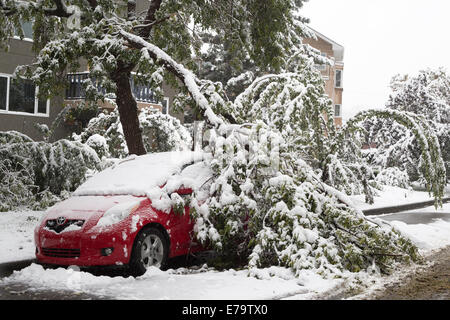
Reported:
(142, 92)
(27, 29)
(338, 82)
(20, 96)
(337, 111)
(3, 92)
(165, 105)
(75, 88)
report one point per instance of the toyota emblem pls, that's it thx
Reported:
(60, 221)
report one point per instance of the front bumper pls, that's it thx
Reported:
(82, 248)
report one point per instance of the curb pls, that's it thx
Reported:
(400, 208)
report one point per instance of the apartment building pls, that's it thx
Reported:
(332, 75)
(20, 109)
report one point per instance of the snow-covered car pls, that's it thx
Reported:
(124, 215)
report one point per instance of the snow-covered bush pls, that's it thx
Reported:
(429, 161)
(80, 113)
(99, 144)
(351, 177)
(16, 184)
(38, 174)
(160, 132)
(392, 145)
(393, 177)
(428, 95)
(7, 137)
(16, 180)
(106, 125)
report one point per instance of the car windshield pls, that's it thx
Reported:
(136, 175)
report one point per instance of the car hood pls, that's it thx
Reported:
(87, 207)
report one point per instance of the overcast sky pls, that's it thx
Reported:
(382, 38)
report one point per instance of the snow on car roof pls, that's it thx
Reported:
(137, 175)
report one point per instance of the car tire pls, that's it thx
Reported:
(151, 248)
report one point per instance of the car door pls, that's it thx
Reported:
(181, 225)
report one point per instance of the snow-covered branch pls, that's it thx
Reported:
(154, 53)
(431, 164)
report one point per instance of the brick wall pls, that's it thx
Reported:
(329, 73)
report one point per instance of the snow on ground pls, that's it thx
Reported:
(16, 243)
(393, 196)
(427, 236)
(430, 236)
(16, 235)
(179, 284)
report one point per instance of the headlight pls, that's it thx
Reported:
(118, 213)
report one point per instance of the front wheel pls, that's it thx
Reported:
(151, 249)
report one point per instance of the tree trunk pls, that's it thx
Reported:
(128, 111)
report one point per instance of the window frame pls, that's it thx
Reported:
(340, 110)
(25, 38)
(340, 80)
(167, 101)
(2, 75)
(35, 113)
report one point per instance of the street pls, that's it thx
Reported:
(417, 217)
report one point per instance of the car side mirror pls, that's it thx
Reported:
(180, 199)
(184, 191)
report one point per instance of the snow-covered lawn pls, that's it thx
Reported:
(16, 235)
(393, 196)
(16, 243)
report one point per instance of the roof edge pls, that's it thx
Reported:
(320, 35)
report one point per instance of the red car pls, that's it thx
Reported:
(111, 219)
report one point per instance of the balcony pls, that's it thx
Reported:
(143, 94)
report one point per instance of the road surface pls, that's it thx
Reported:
(422, 216)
